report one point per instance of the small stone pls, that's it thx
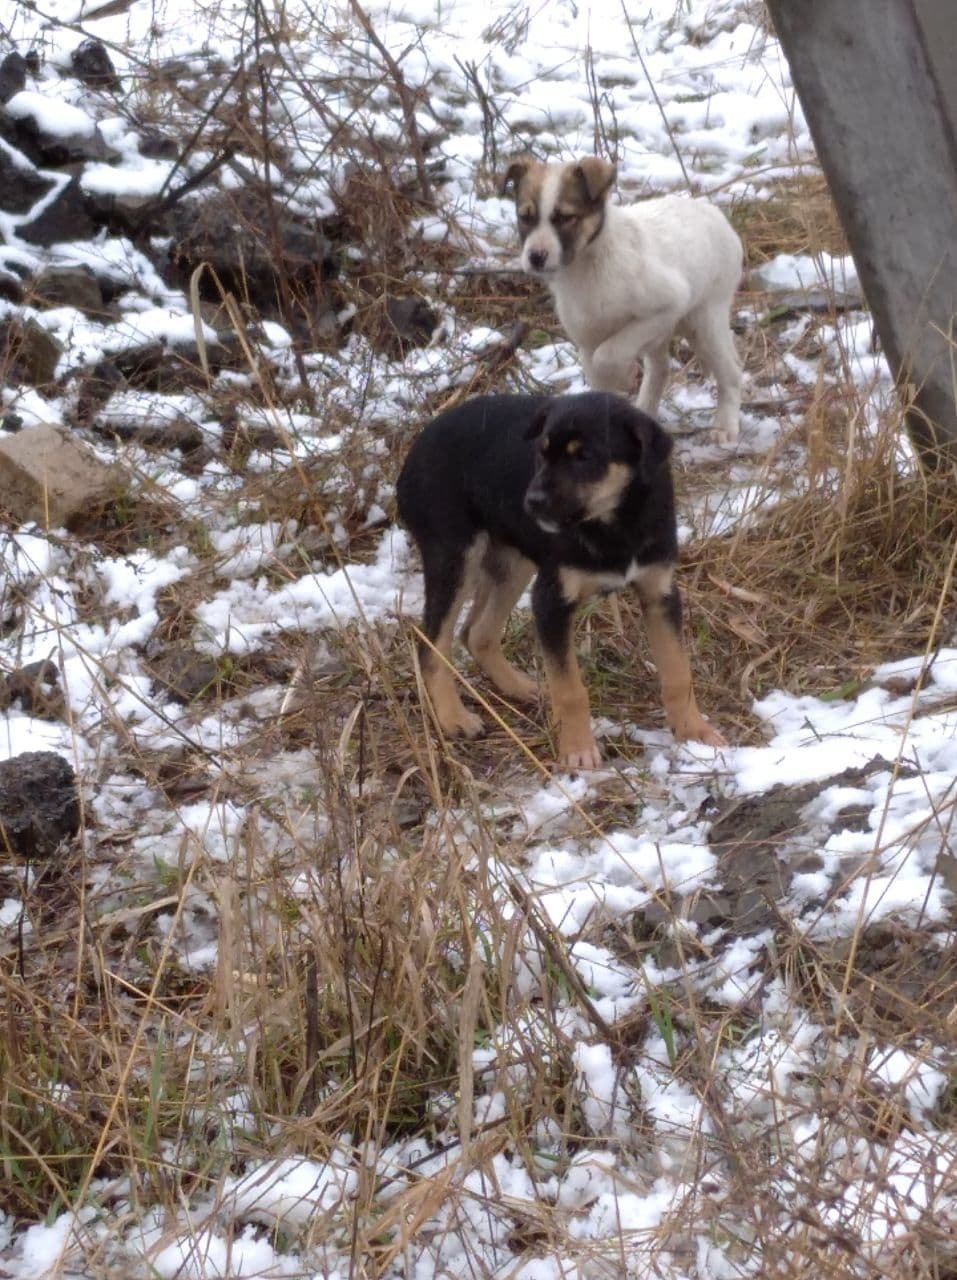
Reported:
(154, 366)
(39, 804)
(96, 387)
(61, 132)
(93, 66)
(185, 675)
(179, 434)
(11, 287)
(158, 146)
(49, 477)
(411, 320)
(75, 286)
(65, 218)
(13, 75)
(29, 353)
(21, 184)
(36, 688)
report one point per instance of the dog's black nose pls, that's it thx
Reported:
(537, 259)
(536, 503)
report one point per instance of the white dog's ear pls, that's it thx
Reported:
(597, 175)
(515, 172)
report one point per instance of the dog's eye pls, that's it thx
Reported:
(526, 215)
(563, 219)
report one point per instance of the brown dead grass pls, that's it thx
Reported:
(854, 572)
(798, 218)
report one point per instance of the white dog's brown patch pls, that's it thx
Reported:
(560, 208)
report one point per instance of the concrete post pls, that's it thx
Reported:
(877, 81)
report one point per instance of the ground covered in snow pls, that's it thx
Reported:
(315, 995)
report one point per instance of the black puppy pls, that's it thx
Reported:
(577, 487)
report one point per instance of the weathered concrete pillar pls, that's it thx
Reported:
(877, 81)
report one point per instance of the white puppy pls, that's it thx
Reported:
(624, 278)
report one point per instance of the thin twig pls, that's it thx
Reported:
(406, 101)
(658, 103)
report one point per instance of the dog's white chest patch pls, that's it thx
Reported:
(635, 572)
(617, 581)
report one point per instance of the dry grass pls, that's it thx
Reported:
(853, 572)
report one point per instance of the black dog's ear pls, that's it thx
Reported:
(515, 172)
(537, 424)
(654, 441)
(596, 176)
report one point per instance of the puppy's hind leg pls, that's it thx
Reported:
(661, 605)
(504, 575)
(713, 338)
(449, 574)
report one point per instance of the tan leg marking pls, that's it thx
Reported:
(494, 601)
(577, 748)
(671, 660)
(440, 680)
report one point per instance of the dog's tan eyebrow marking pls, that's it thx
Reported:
(572, 447)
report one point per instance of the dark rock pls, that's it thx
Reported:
(409, 322)
(244, 437)
(185, 675)
(28, 353)
(65, 218)
(158, 146)
(242, 235)
(156, 367)
(122, 213)
(27, 109)
(197, 460)
(11, 422)
(33, 62)
(11, 287)
(75, 286)
(180, 774)
(93, 67)
(11, 134)
(96, 387)
(39, 804)
(13, 75)
(180, 434)
(36, 689)
(21, 186)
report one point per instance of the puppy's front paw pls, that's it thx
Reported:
(724, 432)
(697, 729)
(580, 754)
(459, 723)
(524, 689)
(513, 684)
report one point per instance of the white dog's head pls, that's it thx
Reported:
(560, 209)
